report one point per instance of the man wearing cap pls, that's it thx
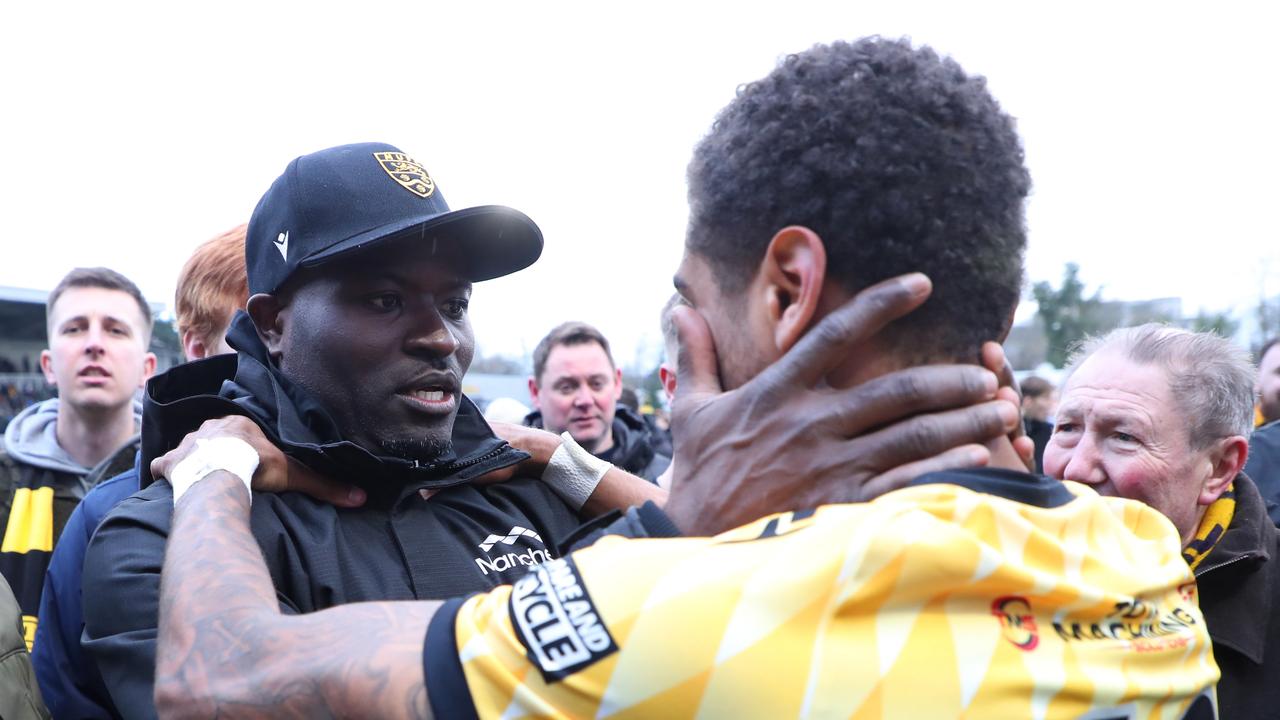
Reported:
(350, 361)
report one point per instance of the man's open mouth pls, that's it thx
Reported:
(93, 375)
(437, 395)
(437, 392)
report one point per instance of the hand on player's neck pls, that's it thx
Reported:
(874, 359)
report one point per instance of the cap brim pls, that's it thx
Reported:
(485, 242)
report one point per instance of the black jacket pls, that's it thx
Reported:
(1263, 466)
(400, 546)
(1039, 431)
(633, 444)
(1239, 581)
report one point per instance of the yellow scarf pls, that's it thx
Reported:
(1212, 527)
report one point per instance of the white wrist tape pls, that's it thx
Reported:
(225, 453)
(574, 473)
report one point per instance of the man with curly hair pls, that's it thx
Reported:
(819, 195)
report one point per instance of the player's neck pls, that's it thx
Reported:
(869, 362)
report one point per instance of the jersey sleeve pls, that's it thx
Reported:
(592, 633)
(446, 685)
(534, 648)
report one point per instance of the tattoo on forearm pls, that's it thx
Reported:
(225, 650)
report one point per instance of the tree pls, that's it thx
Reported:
(1268, 316)
(1067, 314)
(1221, 323)
(166, 345)
(498, 365)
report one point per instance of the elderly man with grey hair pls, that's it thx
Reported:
(1163, 415)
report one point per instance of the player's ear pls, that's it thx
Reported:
(667, 376)
(794, 270)
(1007, 326)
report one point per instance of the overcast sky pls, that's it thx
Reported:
(133, 132)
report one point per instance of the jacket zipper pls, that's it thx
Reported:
(1232, 561)
(460, 465)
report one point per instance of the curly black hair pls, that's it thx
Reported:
(897, 159)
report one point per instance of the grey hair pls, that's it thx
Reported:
(1211, 379)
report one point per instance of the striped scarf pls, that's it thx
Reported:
(1212, 527)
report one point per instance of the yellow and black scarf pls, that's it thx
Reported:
(1212, 527)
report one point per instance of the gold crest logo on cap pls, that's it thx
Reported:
(406, 171)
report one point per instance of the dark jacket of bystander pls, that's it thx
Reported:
(634, 444)
(1239, 582)
(19, 696)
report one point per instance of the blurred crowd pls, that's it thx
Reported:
(20, 393)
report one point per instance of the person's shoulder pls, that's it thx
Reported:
(990, 505)
(274, 514)
(522, 487)
(14, 472)
(106, 495)
(1264, 450)
(9, 472)
(156, 492)
(1269, 430)
(1264, 442)
(8, 464)
(130, 540)
(150, 508)
(521, 497)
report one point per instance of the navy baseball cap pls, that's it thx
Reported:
(353, 197)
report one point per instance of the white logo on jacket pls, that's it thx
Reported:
(502, 563)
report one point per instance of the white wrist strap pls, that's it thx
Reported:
(574, 473)
(224, 453)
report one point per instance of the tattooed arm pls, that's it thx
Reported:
(226, 651)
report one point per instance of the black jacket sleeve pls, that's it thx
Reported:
(122, 597)
(643, 521)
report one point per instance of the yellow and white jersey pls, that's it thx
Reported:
(934, 601)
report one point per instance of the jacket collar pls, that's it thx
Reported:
(631, 438)
(630, 435)
(1026, 488)
(1242, 561)
(250, 384)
